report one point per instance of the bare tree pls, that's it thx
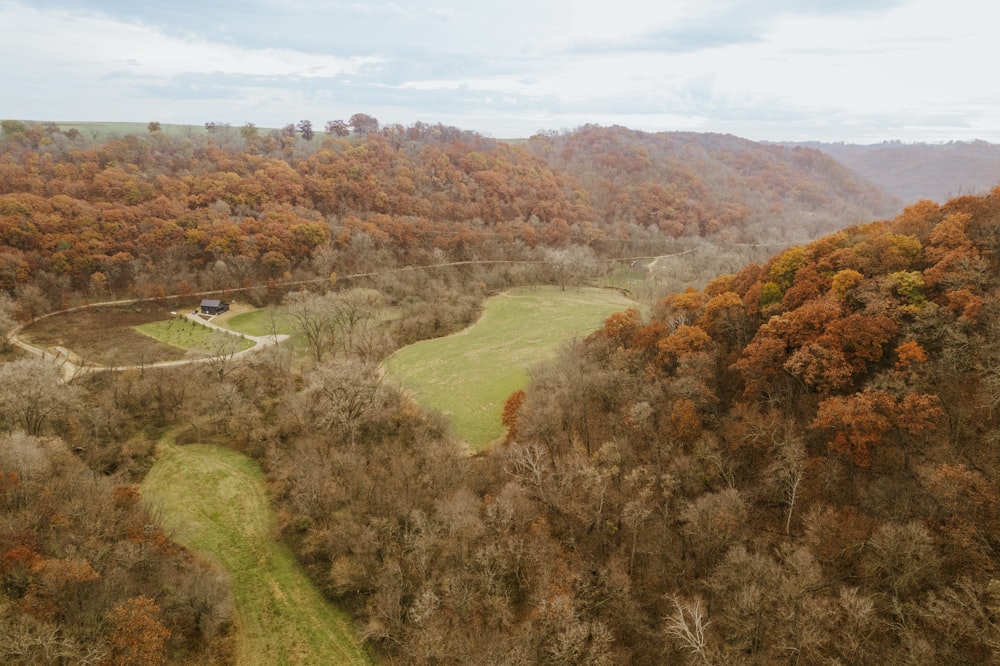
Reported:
(32, 394)
(527, 463)
(354, 310)
(337, 128)
(901, 557)
(32, 301)
(713, 522)
(639, 483)
(37, 643)
(315, 318)
(573, 265)
(341, 393)
(7, 321)
(222, 348)
(788, 471)
(687, 626)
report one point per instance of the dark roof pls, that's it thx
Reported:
(210, 303)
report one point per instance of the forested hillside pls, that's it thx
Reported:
(159, 214)
(797, 463)
(686, 183)
(914, 171)
(86, 576)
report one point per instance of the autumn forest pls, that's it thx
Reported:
(788, 452)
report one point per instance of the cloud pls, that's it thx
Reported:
(91, 42)
(757, 69)
(91, 65)
(331, 28)
(718, 24)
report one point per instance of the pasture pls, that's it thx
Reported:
(214, 501)
(469, 375)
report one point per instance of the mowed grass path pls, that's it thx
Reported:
(213, 500)
(469, 375)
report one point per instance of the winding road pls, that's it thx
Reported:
(73, 366)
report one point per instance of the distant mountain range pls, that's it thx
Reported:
(911, 172)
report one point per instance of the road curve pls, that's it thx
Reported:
(71, 367)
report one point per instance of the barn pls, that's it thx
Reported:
(211, 306)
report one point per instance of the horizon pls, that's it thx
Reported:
(320, 132)
(859, 71)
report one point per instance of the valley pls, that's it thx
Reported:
(728, 402)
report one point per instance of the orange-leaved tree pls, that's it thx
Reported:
(861, 421)
(138, 636)
(511, 413)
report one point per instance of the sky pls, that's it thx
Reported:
(857, 71)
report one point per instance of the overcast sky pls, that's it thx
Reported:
(834, 70)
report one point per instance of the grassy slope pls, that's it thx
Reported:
(468, 376)
(213, 500)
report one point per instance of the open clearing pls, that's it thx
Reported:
(268, 321)
(141, 332)
(469, 375)
(213, 500)
(261, 322)
(186, 334)
(106, 335)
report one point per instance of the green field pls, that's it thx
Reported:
(102, 131)
(186, 334)
(262, 322)
(468, 376)
(266, 322)
(623, 276)
(213, 500)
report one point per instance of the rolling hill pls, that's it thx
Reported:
(914, 171)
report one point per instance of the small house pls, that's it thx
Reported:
(211, 306)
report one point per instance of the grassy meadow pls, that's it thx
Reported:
(186, 334)
(213, 500)
(261, 322)
(469, 375)
(267, 321)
